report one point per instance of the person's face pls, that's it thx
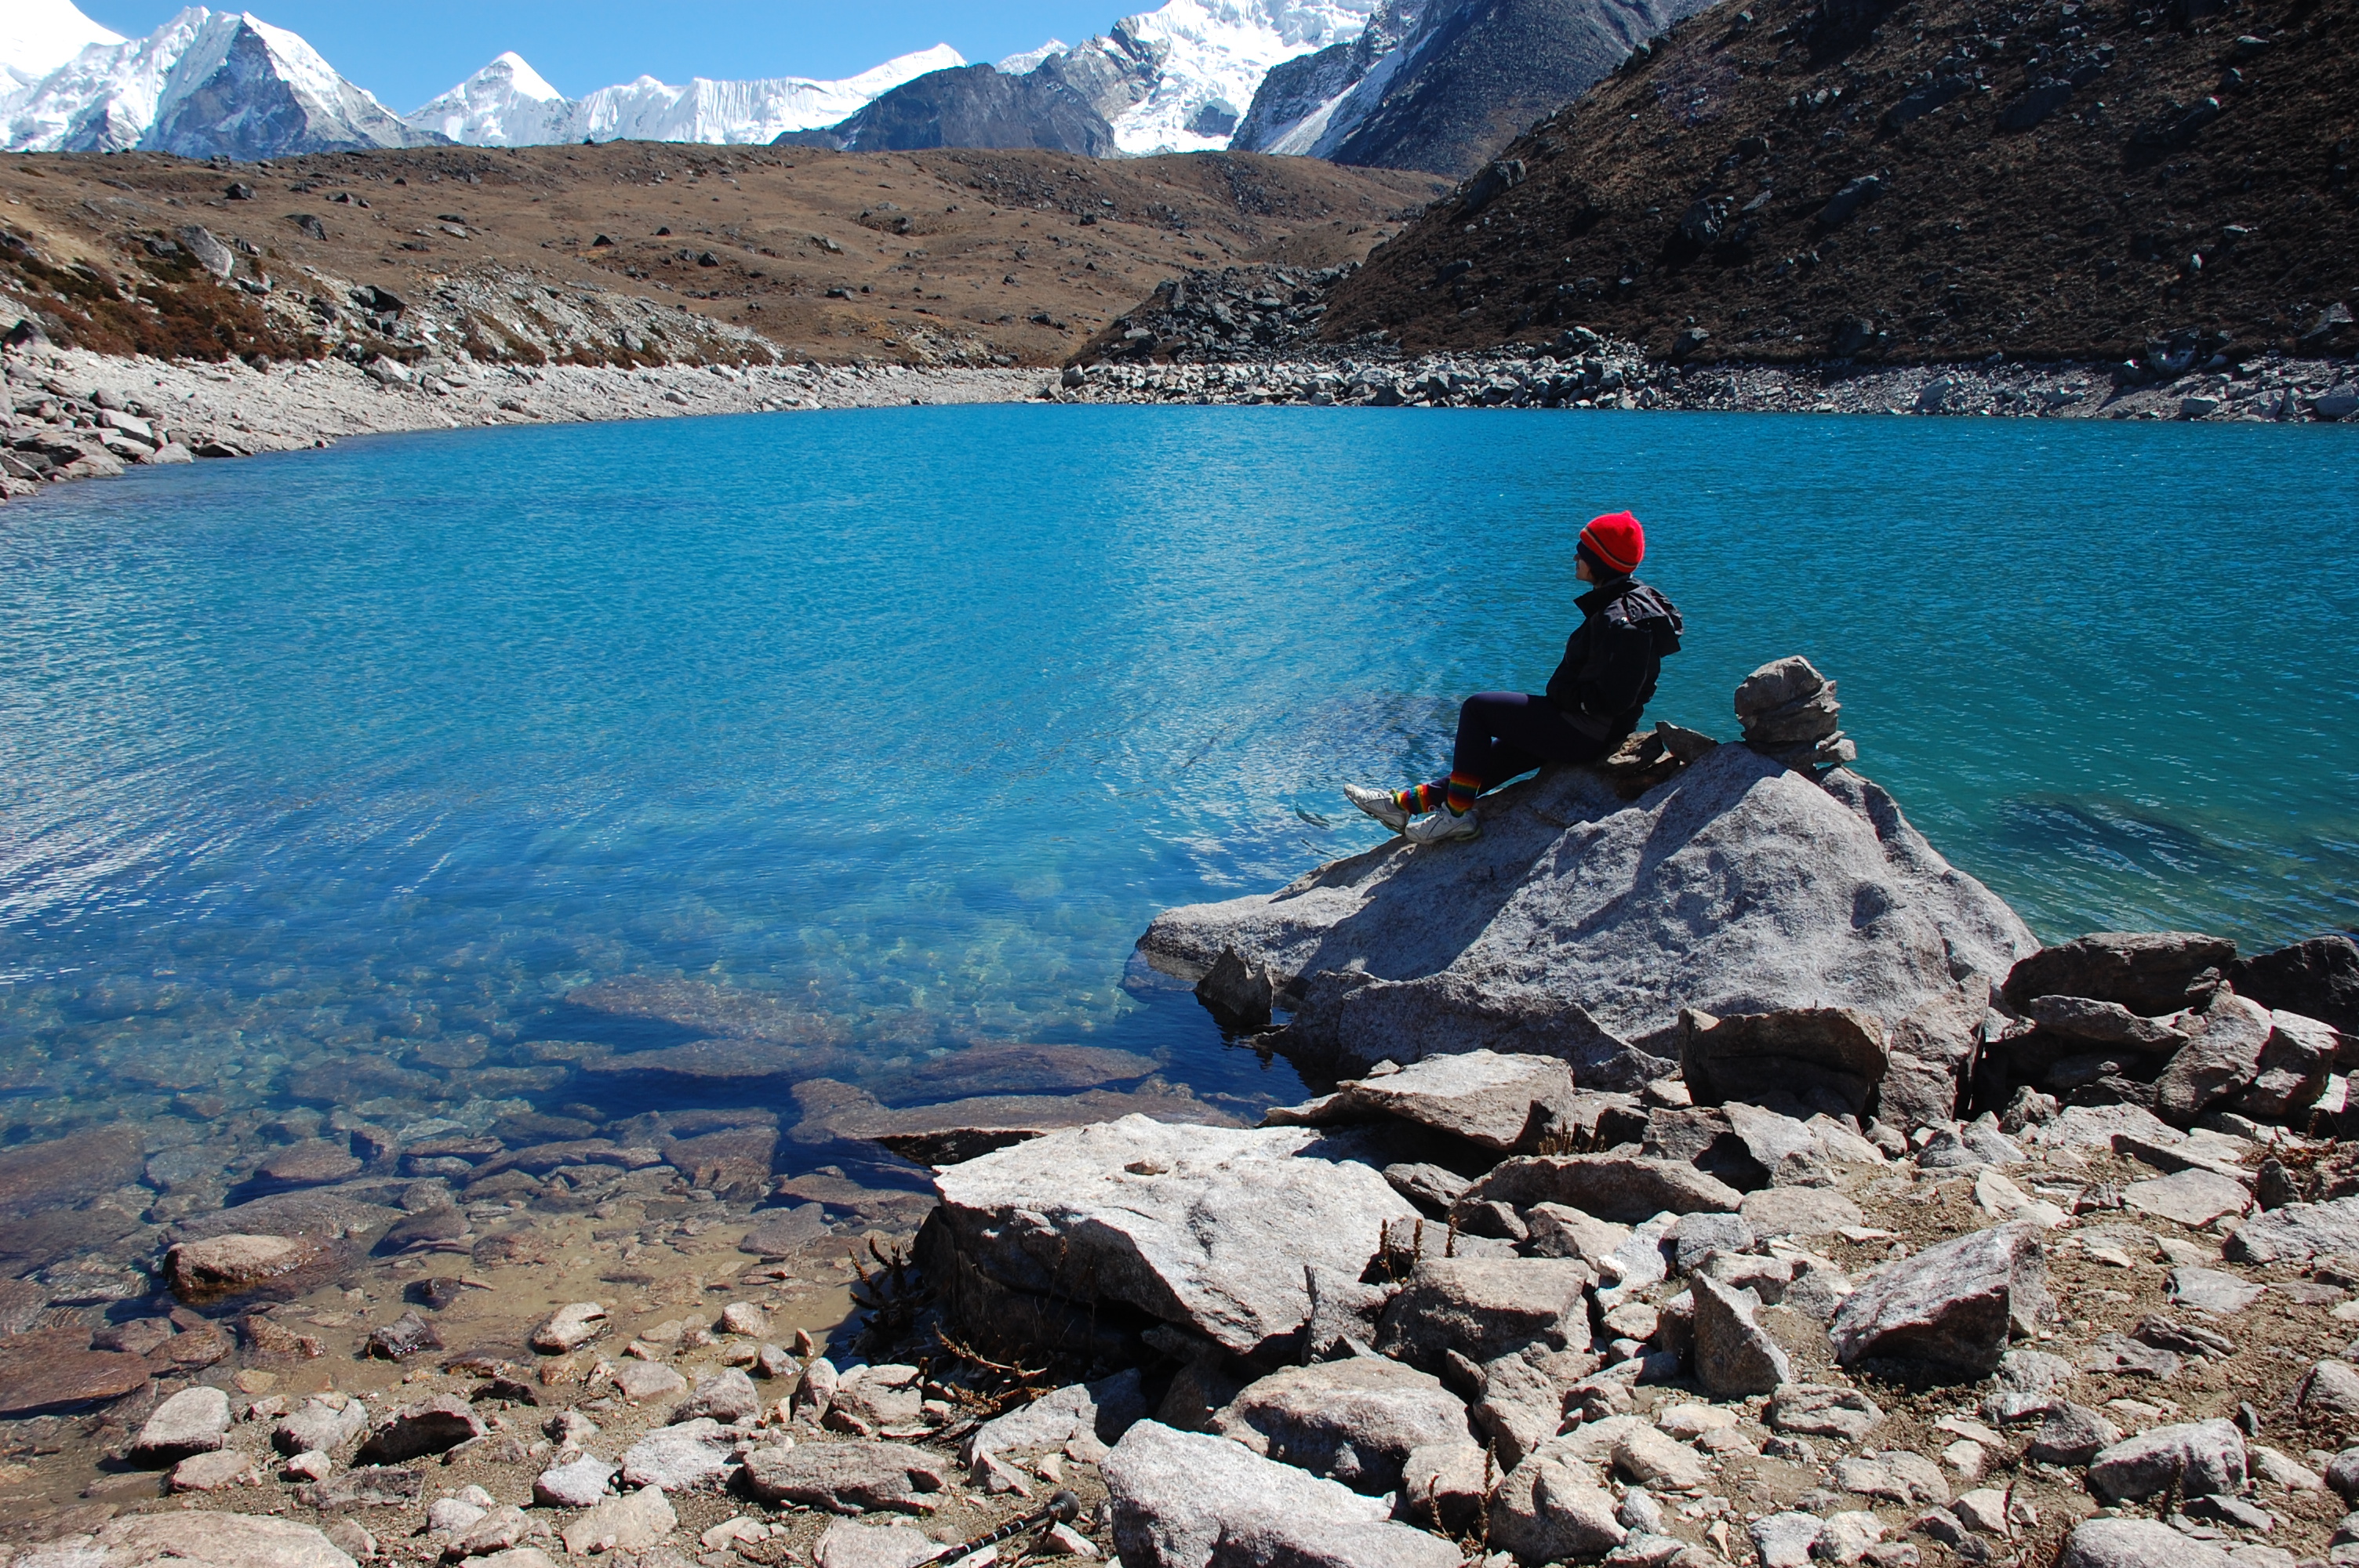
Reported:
(1581, 570)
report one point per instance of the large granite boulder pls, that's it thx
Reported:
(1822, 1057)
(1930, 1055)
(1579, 923)
(195, 1540)
(1499, 1102)
(2149, 972)
(1209, 1229)
(1181, 1499)
(2297, 1232)
(1354, 1421)
(1952, 1306)
(1625, 1188)
(2222, 1057)
(2317, 978)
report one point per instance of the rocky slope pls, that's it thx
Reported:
(639, 254)
(1935, 181)
(1473, 73)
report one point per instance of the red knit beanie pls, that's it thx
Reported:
(1617, 540)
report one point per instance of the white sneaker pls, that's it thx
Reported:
(1378, 804)
(1440, 827)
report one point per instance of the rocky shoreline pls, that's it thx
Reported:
(1849, 1226)
(72, 413)
(1582, 370)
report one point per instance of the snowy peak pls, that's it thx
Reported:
(103, 99)
(508, 104)
(39, 36)
(247, 89)
(1215, 54)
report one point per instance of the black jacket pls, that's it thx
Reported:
(1612, 661)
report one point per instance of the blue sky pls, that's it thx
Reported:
(409, 51)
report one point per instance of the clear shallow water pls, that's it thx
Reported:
(903, 723)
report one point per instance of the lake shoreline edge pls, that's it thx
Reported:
(61, 425)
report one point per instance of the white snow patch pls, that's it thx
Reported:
(39, 36)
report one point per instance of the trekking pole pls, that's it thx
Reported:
(1063, 1508)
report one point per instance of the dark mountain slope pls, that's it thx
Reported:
(970, 107)
(1936, 182)
(1480, 70)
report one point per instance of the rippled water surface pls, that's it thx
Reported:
(418, 772)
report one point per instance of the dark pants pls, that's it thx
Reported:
(1503, 734)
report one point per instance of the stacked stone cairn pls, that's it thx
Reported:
(1789, 712)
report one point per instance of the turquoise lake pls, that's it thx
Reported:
(903, 723)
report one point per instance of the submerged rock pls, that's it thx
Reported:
(1826, 897)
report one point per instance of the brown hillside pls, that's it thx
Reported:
(1014, 255)
(1693, 188)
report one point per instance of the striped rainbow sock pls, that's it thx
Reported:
(1463, 789)
(1418, 799)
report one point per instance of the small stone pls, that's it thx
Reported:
(1784, 1540)
(1818, 1410)
(1982, 1512)
(575, 1486)
(2278, 1469)
(631, 1523)
(223, 1266)
(2193, 1197)
(643, 1380)
(745, 1318)
(727, 1397)
(2071, 1434)
(680, 1458)
(1652, 1458)
(569, 1328)
(1952, 1305)
(2329, 1392)
(845, 1544)
(428, 1427)
(1733, 1354)
(848, 1477)
(2136, 1543)
(212, 1472)
(2200, 1457)
(194, 1420)
(1893, 1472)
(1848, 1537)
(404, 1337)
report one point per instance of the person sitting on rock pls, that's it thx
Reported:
(1591, 705)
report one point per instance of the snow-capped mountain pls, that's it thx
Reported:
(1455, 79)
(39, 36)
(507, 103)
(1177, 78)
(204, 83)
